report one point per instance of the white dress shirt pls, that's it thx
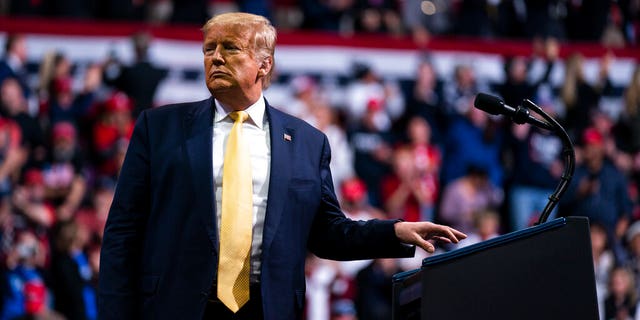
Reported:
(256, 134)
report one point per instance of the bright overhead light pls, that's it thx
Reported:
(428, 7)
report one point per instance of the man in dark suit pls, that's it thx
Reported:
(162, 255)
(13, 65)
(139, 80)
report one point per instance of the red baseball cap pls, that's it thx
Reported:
(591, 136)
(118, 102)
(63, 130)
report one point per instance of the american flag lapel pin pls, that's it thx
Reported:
(287, 137)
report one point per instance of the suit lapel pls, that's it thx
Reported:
(282, 139)
(198, 124)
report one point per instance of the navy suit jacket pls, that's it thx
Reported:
(160, 249)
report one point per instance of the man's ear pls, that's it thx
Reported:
(265, 66)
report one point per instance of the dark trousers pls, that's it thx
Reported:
(252, 310)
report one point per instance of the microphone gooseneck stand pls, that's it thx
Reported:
(568, 154)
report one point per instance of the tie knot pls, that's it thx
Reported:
(239, 116)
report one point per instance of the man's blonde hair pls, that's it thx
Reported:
(264, 35)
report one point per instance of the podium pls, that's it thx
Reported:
(542, 272)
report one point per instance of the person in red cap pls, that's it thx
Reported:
(66, 105)
(599, 190)
(112, 132)
(29, 199)
(64, 183)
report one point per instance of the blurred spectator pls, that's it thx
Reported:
(427, 18)
(599, 191)
(371, 141)
(13, 64)
(111, 133)
(511, 18)
(259, 7)
(406, 194)
(622, 299)
(410, 193)
(634, 188)
(305, 98)
(544, 68)
(633, 261)
(72, 274)
(460, 93)
(537, 159)
(319, 274)
(487, 226)
(606, 126)
(428, 158)
(7, 232)
(474, 17)
(139, 80)
(65, 185)
(373, 300)
(604, 261)
(13, 105)
(344, 286)
(579, 97)
(189, 11)
(27, 294)
(517, 86)
(596, 12)
(54, 65)
(368, 90)
(472, 140)
(424, 99)
(328, 15)
(630, 9)
(65, 105)
(122, 9)
(545, 18)
(12, 155)
(29, 200)
(464, 198)
(354, 202)
(94, 216)
(341, 154)
(631, 115)
(378, 16)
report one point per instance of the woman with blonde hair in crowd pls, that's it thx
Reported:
(631, 118)
(622, 299)
(579, 96)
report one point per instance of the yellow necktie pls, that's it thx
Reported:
(236, 220)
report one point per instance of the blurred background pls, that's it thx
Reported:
(390, 82)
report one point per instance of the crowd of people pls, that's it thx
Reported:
(412, 150)
(612, 22)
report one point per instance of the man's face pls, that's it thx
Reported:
(229, 61)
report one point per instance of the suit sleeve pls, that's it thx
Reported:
(334, 236)
(121, 248)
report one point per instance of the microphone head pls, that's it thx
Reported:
(489, 104)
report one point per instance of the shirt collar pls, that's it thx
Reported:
(256, 112)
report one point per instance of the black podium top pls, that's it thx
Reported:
(542, 272)
(498, 241)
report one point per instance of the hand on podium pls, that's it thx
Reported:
(419, 234)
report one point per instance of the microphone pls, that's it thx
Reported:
(520, 115)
